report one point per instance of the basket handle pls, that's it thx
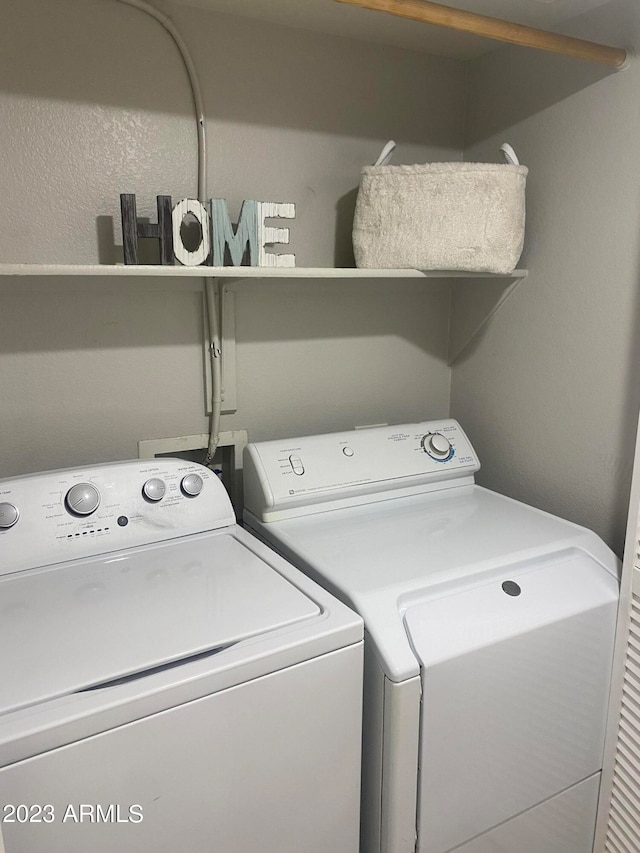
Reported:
(509, 154)
(386, 154)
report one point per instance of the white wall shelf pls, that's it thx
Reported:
(471, 306)
(239, 272)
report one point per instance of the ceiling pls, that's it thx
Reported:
(328, 16)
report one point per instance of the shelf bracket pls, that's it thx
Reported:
(473, 304)
(427, 12)
(227, 323)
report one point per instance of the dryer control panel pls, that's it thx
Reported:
(300, 475)
(78, 512)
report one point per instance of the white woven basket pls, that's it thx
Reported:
(441, 216)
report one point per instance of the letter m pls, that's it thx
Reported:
(104, 815)
(245, 235)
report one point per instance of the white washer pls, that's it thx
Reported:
(489, 632)
(167, 682)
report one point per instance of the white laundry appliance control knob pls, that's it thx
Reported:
(82, 499)
(192, 485)
(154, 489)
(296, 465)
(8, 515)
(436, 445)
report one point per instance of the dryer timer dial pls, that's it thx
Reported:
(437, 446)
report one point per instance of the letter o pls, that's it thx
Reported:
(183, 208)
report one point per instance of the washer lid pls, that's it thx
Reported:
(78, 625)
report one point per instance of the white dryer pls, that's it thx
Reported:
(489, 631)
(167, 683)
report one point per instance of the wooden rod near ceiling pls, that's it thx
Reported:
(494, 28)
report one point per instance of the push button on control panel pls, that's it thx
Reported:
(348, 451)
(296, 465)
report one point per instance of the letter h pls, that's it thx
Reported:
(132, 228)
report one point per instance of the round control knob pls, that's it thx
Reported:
(192, 485)
(154, 489)
(436, 445)
(8, 515)
(82, 499)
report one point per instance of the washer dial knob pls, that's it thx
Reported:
(154, 489)
(436, 445)
(192, 485)
(82, 499)
(8, 515)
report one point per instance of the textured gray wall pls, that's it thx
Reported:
(94, 102)
(550, 391)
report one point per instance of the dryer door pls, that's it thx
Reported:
(515, 681)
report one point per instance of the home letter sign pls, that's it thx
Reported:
(249, 240)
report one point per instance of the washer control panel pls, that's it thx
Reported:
(302, 472)
(60, 515)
